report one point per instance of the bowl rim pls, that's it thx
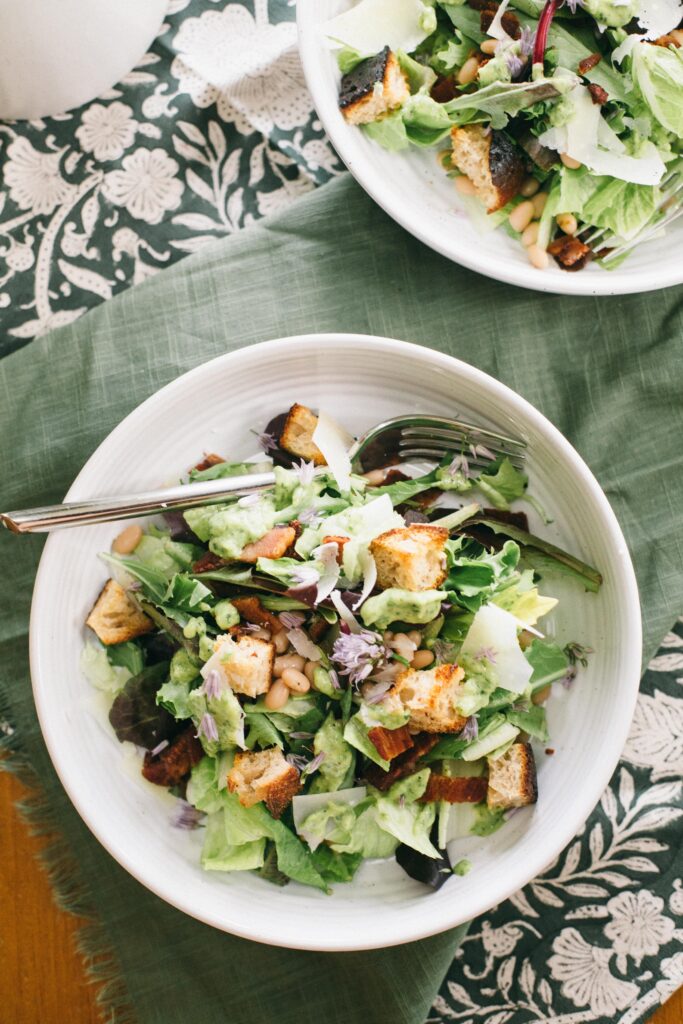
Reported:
(624, 581)
(344, 141)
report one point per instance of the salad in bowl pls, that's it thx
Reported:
(559, 123)
(340, 667)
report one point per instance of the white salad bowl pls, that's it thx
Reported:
(358, 380)
(413, 189)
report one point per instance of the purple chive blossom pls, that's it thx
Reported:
(402, 801)
(574, 4)
(309, 517)
(526, 48)
(515, 63)
(267, 441)
(577, 653)
(568, 680)
(470, 730)
(357, 654)
(305, 471)
(313, 765)
(301, 735)
(248, 500)
(187, 817)
(487, 654)
(135, 585)
(444, 651)
(297, 761)
(334, 679)
(212, 685)
(291, 620)
(373, 694)
(511, 811)
(459, 465)
(208, 728)
(480, 451)
(249, 627)
(305, 576)
(159, 747)
(446, 607)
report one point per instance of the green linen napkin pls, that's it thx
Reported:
(606, 371)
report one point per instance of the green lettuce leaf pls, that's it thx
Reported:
(548, 661)
(658, 74)
(339, 757)
(408, 821)
(502, 484)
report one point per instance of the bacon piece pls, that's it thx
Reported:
(404, 764)
(207, 562)
(172, 764)
(588, 63)
(251, 609)
(389, 743)
(455, 791)
(340, 542)
(570, 252)
(598, 94)
(273, 544)
(209, 460)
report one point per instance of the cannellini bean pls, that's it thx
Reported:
(522, 215)
(422, 659)
(281, 641)
(465, 186)
(416, 636)
(539, 201)
(538, 257)
(570, 162)
(567, 222)
(403, 645)
(387, 636)
(309, 670)
(489, 47)
(277, 696)
(468, 72)
(375, 477)
(295, 680)
(541, 696)
(530, 187)
(530, 234)
(260, 633)
(285, 661)
(127, 540)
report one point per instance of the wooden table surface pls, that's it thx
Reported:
(42, 980)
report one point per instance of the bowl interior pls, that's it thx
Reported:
(359, 381)
(413, 188)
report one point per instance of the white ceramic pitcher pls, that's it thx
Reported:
(57, 54)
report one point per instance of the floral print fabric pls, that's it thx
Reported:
(213, 129)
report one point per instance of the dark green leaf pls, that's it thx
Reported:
(336, 867)
(135, 715)
(128, 655)
(269, 870)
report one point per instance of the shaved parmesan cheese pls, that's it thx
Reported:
(495, 631)
(586, 134)
(658, 17)
(496, 29)
(302, 806)
(373, 24)
(334, 443)
(369, 569)
(344, 614)
(327, 554)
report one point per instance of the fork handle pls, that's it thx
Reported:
(106, 510)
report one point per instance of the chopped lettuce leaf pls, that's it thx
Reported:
(227, 714)
(332, 823)
(129, 655)
(502, 484)
(548, 661)
(100, 672)
(339, 756)
(219, 854)
(408, 821)
(487, 822)
(531, 720)
(336, 867)
(658, 74)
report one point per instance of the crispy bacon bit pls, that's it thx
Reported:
(509, 21)
(340, 542)
(668, 40)
(404, 764)
(209, 460)
(273, 544)
(550, 751)
(208, 562)
(444, 90)
(389, 743)
(455, 791)
(588, 63)
(251, 609)
(318, 628)
(173, 763)
(570, 252)
(394, 476)
(598, 94)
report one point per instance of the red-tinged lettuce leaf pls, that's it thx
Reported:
(135, 715)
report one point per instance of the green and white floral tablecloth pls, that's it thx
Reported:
(211, 131)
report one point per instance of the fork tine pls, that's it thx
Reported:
(459, 438)
(436, 449)
(447, 429)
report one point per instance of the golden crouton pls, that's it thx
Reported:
(490, 161)
(246, 664)
(411, 557)
(430, 696)
(373, 88)
(263, 775)
(512, 778)
(114, 616)
(297, 435)
(273, 544)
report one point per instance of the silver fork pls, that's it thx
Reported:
(668, 211)
(402, 439)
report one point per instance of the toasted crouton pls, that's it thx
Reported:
(272, 545)
(297, 435)
(512, 778)
(430, 695)
(490, 161)
(263, 775)
(373, 88)
(246, 663)
(411, 557)
(114, 616)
